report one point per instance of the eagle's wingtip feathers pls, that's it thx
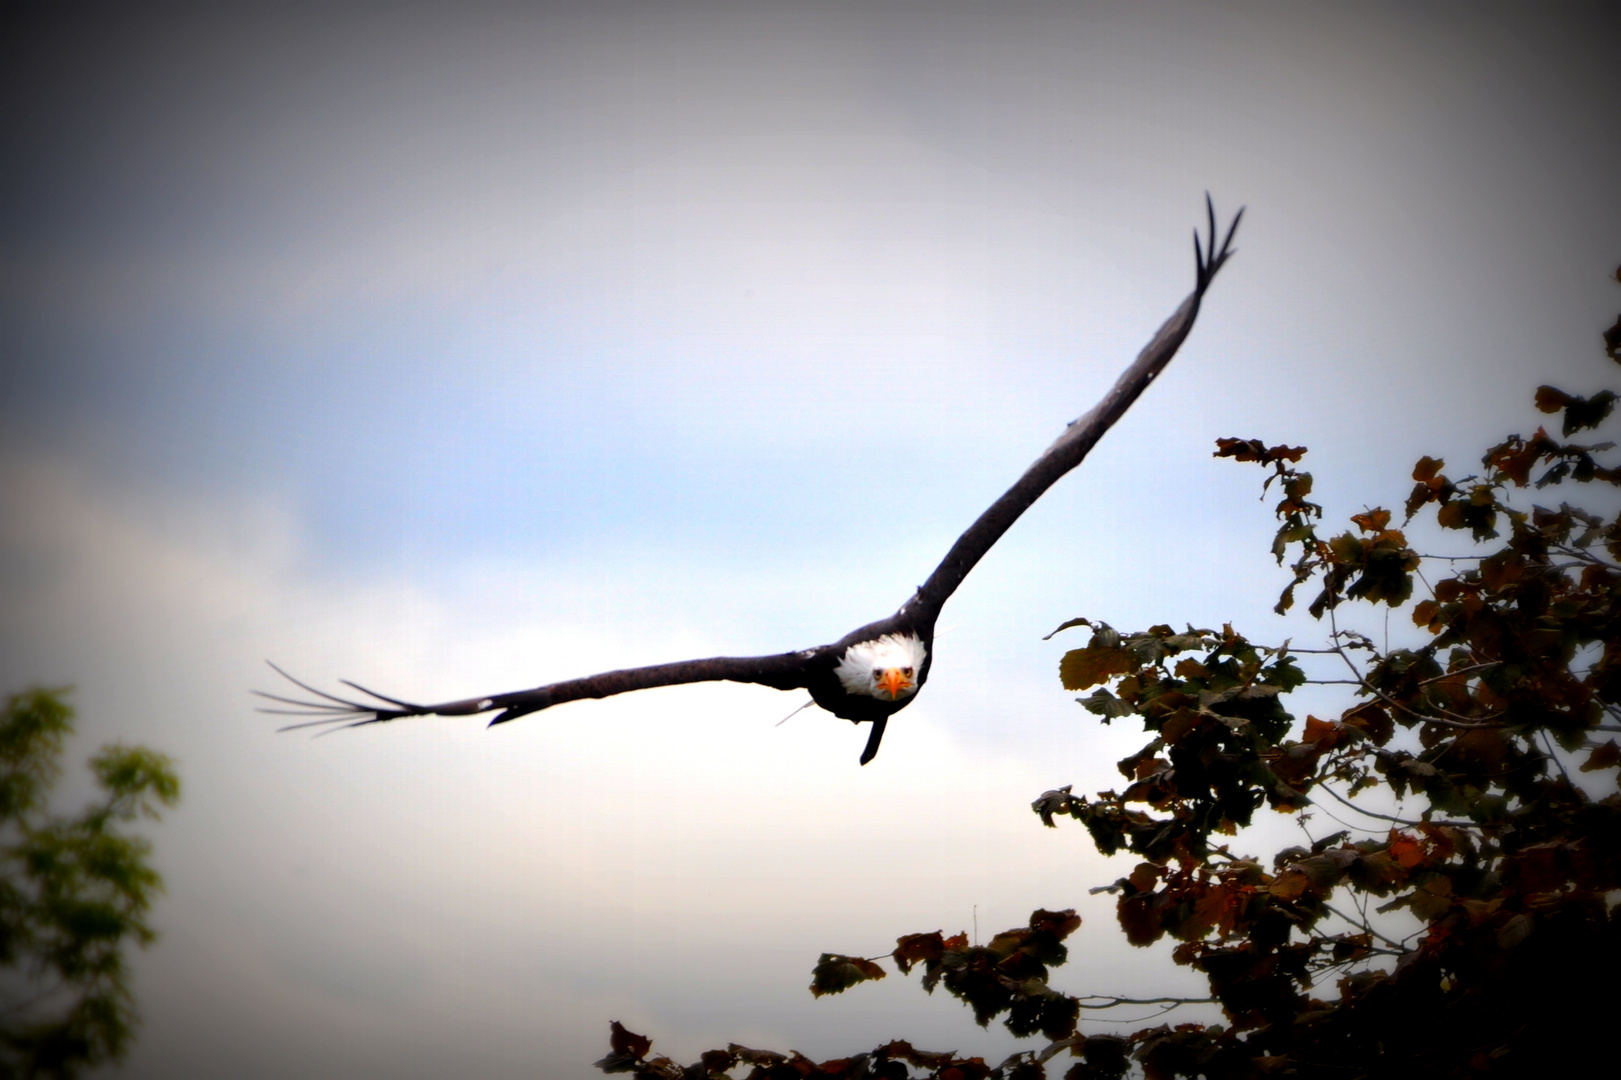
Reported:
(1221, 247)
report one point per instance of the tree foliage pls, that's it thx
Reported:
(73, 892)
(1463, 921)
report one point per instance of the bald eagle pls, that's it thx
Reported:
(872, 672)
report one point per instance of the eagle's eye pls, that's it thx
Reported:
(877, 673)
(907, 672)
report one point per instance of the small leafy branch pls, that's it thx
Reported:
(1462, 923)
(73, 891)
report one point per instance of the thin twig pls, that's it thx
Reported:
(1322, 786)
(1460, 671)
(1560, 765)
(1113, 1001)
(1365, 926)
(1134, 1019)
(1329, 813)
(1585, 556)
(1457, 721)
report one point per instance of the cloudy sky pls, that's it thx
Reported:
(456, 351)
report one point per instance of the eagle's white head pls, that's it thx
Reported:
(886, 668)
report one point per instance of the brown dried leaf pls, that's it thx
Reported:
(914, 948)
(1408, 851)
(1060, 924)
(1374, 521)
(1082, 668)
(1427, 469)
(628, 1042)
(835, 974)
(1604, 756)
(1550, 399)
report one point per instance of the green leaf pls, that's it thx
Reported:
(1066, 625)
(1104, 704)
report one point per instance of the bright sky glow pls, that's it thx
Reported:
(460, 353)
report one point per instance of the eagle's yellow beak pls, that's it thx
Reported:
(892, 682)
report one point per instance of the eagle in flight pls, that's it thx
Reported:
(872, 672)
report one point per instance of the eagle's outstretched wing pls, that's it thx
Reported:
(1081, 435)
(813, 668)
(785, 671)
